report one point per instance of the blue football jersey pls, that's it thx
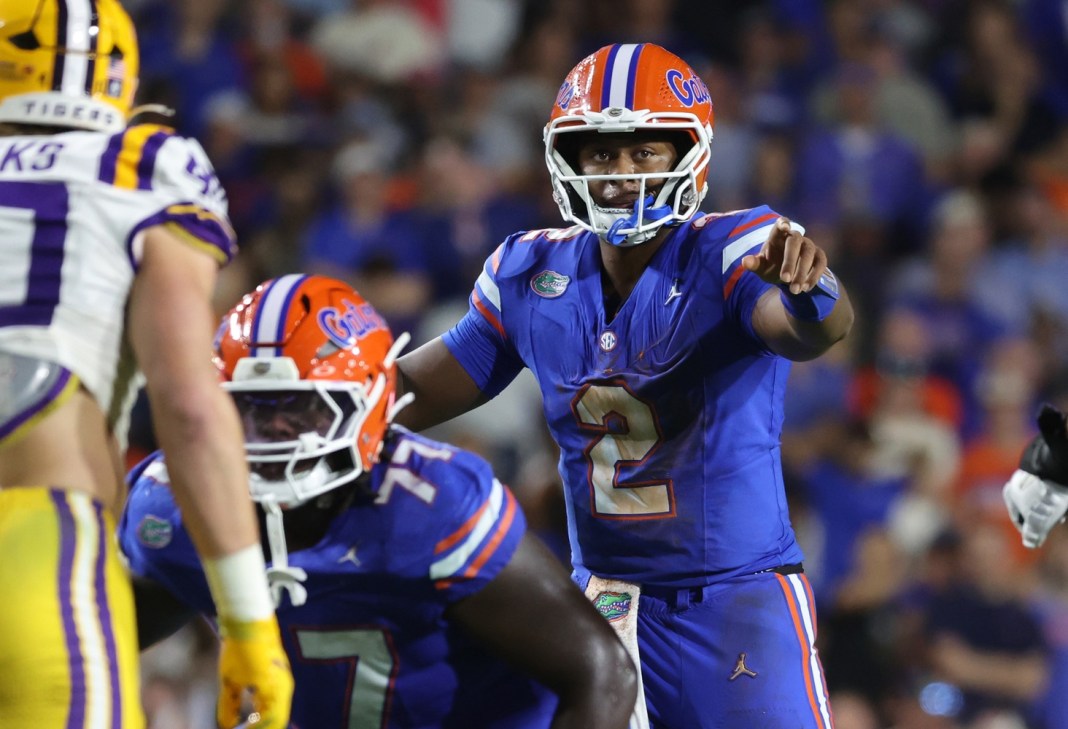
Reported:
(371, 646)
(667, 412)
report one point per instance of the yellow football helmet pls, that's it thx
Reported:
(67, 63)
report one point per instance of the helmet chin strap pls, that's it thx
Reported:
(281, 577)
(643, 212)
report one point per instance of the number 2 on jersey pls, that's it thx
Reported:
(626, 434)
(39, 209)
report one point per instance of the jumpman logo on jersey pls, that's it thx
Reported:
(350, 556)
(741, 669)
(674, 293)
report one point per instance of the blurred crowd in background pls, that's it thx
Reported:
(922, 143)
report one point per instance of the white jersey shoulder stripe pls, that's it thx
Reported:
(455, 560)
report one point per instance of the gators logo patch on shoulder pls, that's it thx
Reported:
(613, 605)
(154, 532)
(549, 284)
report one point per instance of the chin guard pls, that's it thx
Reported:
(281, 577)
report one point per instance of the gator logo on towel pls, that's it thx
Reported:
(613, 605)
(154, 532)
(549, 284)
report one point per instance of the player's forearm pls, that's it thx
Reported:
(201, 437)
(442, 388)
(816, 337)
(799, 339)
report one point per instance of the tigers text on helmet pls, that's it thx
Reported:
(310, 365)
(626, 88)
(67, 63)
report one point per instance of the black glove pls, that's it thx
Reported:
(1047, 455)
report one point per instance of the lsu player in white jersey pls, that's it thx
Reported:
(110, 241)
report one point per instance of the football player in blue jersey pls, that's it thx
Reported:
(112, 233)
(661, 339)
(409, 593)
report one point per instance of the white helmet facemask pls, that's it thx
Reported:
(676, 200)
(293, 427)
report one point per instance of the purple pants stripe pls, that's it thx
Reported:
(67, 532)
(105, 616)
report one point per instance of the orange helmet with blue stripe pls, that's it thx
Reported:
(627, 88)
(67, 63)
(310, 365)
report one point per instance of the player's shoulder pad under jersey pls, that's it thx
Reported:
(724, 228)
(446, 466)
(151, 519)
(522, 249)
(150, 486)
(434, 459)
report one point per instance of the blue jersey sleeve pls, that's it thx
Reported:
(741, 288)
(154, 540)
(479, 341)
(480, 524)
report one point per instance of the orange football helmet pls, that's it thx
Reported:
(310, 365)
(626, 88)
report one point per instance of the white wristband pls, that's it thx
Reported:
(238, 584)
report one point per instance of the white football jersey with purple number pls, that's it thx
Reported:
(72, 210)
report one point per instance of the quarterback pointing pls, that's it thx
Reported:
(661, 339)
(110, 240)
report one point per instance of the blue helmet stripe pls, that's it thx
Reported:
(606, 85)
(268, 325)
(620, 73)
(632, 75)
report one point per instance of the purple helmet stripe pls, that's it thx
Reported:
(67, 534)
(75, 43)
(61, 42)
(94, 22)
(103, 608)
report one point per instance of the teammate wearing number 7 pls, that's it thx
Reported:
(661, 339)
(409, 593)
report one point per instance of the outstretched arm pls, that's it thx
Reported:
(441, 386)
(1037, 494)
(535, 617)
(810, 310)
